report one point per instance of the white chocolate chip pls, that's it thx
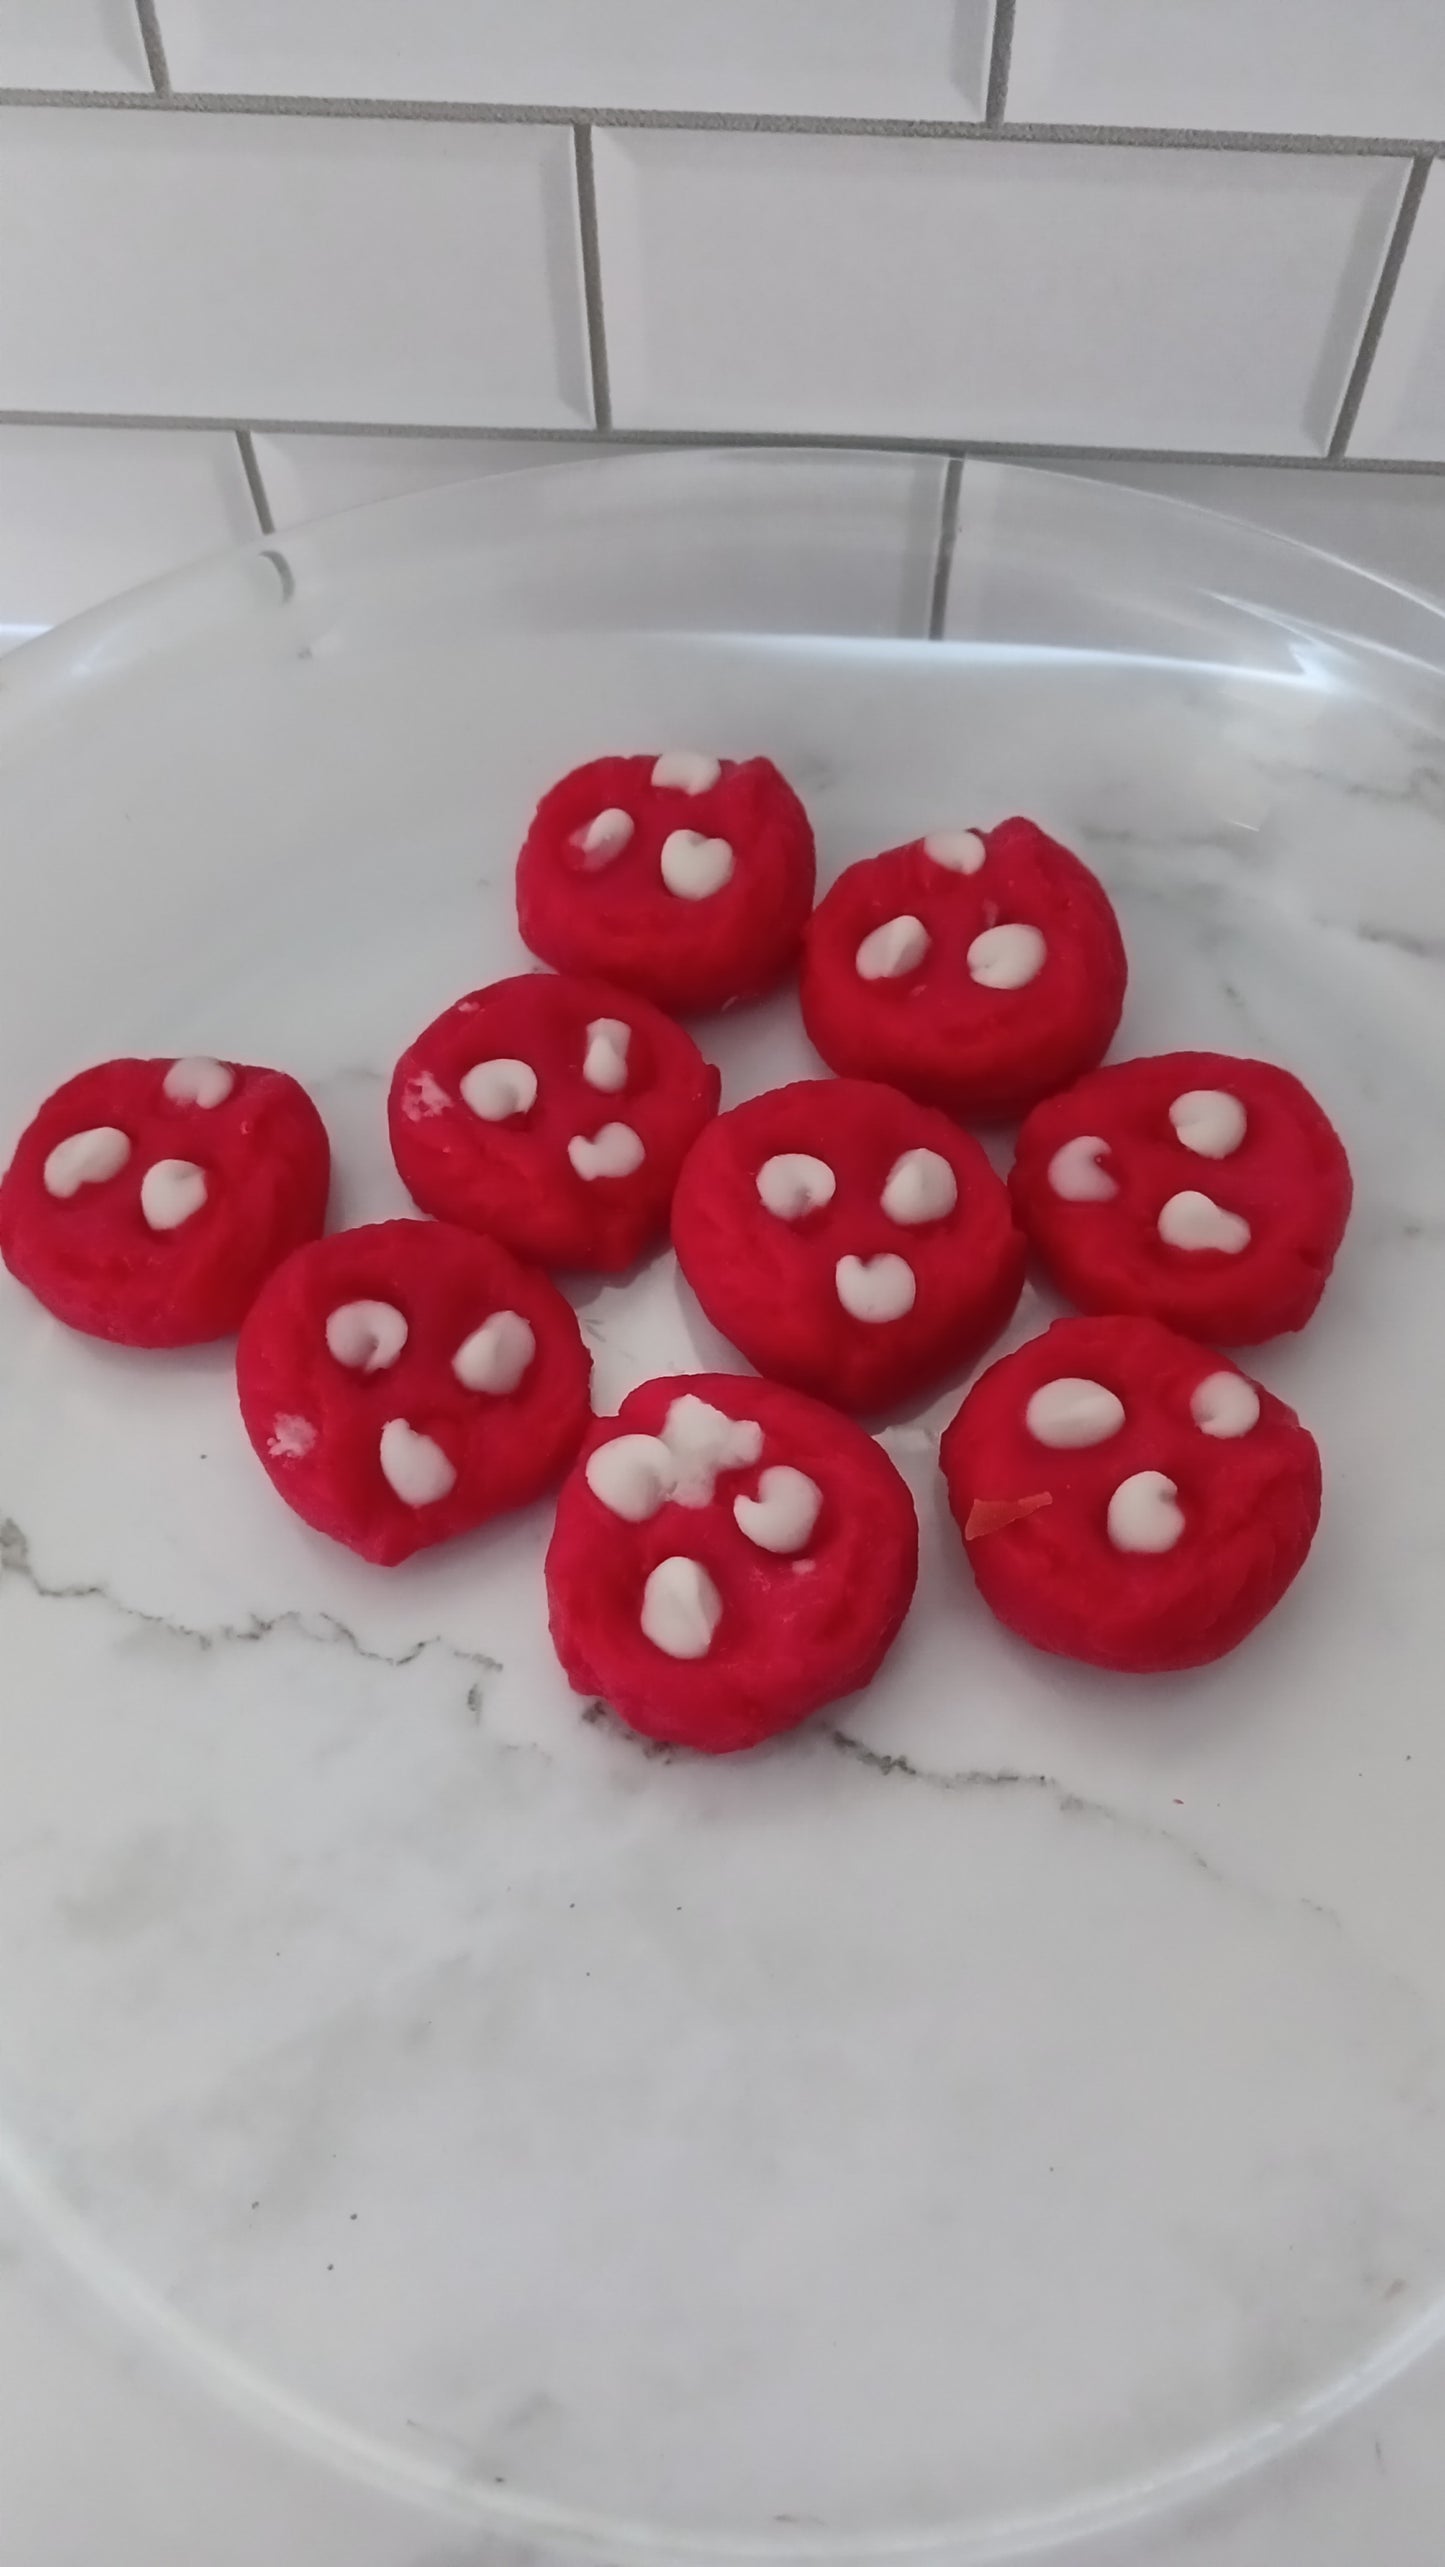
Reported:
(1209, 1121)
(898, 946)
(686, 771)
(1006, 957)
(1071, 1412)
(1075, 1174)
(414, 1466)
(198, 1081)
(613, 1152)
(957, 850)
(605, 1066)
(635, 1474)
(794, 1183)
(170, 1191)
(291, 1439)
(694, 867)
(497, 1089)
(921, 1187)
(367, 1336)
(1225, 1404)
(87, 1158)
(602, 839)
(1144, 1513)
(681, 1608)
(632, 1476)
(703, 1441)
(496, 1355)
(875, 1289)
(1192, 1220)
(782, 1515)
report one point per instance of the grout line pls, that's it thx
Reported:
(460, 111)
(155, 51)
(592, 275)
(943, 558)
(1378, 313)
(999, 57)
(728, 440)
(260, 498)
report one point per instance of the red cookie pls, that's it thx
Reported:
(1127, 1497)
(148, 1200)
(1206, 1191)
(404, 1382)
(975, 969)
(685, 877)
(847, 1240)
(728, 1557)
(553, 1114)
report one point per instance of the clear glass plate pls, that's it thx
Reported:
(987, 2116)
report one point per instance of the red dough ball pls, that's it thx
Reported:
(403, 1382)
(847, 1240)
(977, 969)
(1127, 1497)
(1206, 1191)
(553, 1114)
(148, 1200)
(728, 1557)
(685, 877)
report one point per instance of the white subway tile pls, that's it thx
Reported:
(314, 476)
(824, 543)
(71, 44)
(968, 289)
(785, 542)
(1258, 66)
(1403, 411)
(903, 58)
(1392, 523)
(289, 267)
(89, 511)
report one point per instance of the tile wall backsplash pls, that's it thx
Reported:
(882, 287)
(1403, 410)
(72, 44)
(307, 476)
(241, 239)
(1247, 66)
(869, 58)
(85, 512)
(303, 267)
